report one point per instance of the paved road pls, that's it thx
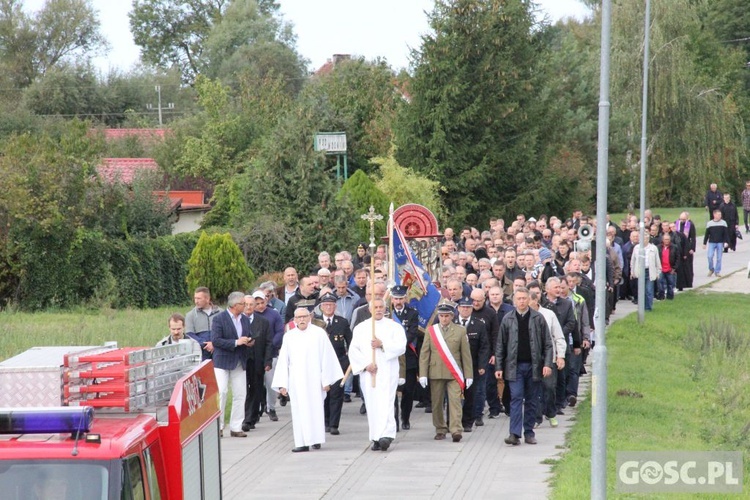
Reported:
(416, 466)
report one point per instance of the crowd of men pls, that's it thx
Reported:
(510, 335)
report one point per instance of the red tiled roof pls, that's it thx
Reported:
(142, 133)
(125, 169)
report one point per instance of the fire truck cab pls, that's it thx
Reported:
(108, 423)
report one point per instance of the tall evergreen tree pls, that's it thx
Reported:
(472, 123)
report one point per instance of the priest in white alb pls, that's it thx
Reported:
(306, 368)
(388, 342)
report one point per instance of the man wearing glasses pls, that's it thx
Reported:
(305, 370)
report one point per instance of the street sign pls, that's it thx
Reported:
(330, 142)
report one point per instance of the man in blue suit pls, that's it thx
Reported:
(231, 337)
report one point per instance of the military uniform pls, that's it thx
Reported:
(479, 345)
(431, 365)
(340, 336)
(409, 319)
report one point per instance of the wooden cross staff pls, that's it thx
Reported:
(372, 218)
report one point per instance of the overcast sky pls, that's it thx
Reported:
(370, 28)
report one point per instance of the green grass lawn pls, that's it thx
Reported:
(129, 327)
(677, 390)
(699, 215)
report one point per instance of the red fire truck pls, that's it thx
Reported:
(108, 423)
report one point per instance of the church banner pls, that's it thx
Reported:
(422, 295)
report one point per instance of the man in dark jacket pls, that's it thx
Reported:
(479, 345)
(408, 317)
(232, 341)
(713, 199)
(340, 336)
(732, 217)
(523, 356)
(305, 296)
(563, 309)
(260, 361)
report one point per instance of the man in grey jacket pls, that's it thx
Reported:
(523, 357)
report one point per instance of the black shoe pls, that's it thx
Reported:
(420, 405)
(335, 431)
(375, 446)
(272, 416)
(467, 428)
(512, 439)
(283, 400)
(479, 422)
(494, 415)
(385, 443)
(529, 440)
(316, 446)
(428, 409)
(362, 409)
(247, 427)
(456, 437)
(300, 448)
(560, 412)
(328, 429)
(405, 426)
(572, 401)
(347, 398)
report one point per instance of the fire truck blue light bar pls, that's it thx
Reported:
(46, 420)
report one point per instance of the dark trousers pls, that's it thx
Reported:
(493, 399)
(524, 395)
(480, 394)
(746, 216)
(573, 366)
(467, 417)
(561, 398)
(255, 396)
(547, 390)
(332, 404)
(407, 394)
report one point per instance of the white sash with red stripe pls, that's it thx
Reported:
(437, 338)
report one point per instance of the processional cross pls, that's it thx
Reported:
(372, 218)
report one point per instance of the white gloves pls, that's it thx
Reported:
(469, 381)
(401, 381)
(423, 381)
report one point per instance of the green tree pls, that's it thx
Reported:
(696, 134)
(473, 120)
(360, 193)
(61, 32)
(362, 101)
(403, 186)
(173, 32)
(217, 262)
(253, 40)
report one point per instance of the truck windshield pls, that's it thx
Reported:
(54, 479)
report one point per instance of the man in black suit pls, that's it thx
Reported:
(260, 361)
(409, 319)
(231, 338)
(479, 345)
(340, 336)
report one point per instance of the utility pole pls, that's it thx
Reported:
(169, 105)
(599, 378)
(644, 155)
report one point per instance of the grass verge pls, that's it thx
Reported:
(678, 382)
(129, 327)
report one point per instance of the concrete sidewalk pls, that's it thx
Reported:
(416, 466)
